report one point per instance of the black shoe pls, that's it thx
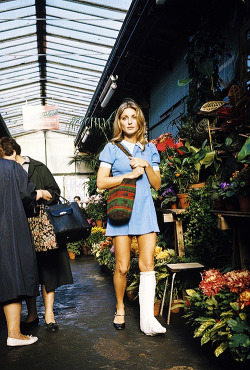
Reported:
(52, 326)
(28, 325)
(119, 326)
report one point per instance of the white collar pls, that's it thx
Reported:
(131, 144)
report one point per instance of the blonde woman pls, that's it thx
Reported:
(129, 130)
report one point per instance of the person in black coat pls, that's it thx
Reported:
(53, 265)
(18, 268)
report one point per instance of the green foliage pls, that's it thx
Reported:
(95, 237)
(97, 207)
(244, 154)
(75, 247)
(204, 50)
(202, 237)
(219, 319)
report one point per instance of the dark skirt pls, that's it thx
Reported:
(54, 269)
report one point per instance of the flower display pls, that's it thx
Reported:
(237, 281)
(134, 247)
(165, 141)
(219, 311)
(212, 282)
(238, 184)
(97, 207)
(244, 299)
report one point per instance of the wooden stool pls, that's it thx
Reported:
(174, 268)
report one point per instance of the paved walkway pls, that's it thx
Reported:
(87, 340)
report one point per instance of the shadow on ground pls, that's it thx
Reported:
(87, 340)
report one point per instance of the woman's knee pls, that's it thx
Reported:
(122, 269)
(146, 265)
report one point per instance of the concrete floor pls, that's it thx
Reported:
(87, 339)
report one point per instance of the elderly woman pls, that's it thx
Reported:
(18, 268)
(53, 264)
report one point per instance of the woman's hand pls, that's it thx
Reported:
(137, 172)
(138, 162)
(44, 194)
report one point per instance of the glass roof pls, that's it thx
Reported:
(53, 52)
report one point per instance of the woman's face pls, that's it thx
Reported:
(128, 121)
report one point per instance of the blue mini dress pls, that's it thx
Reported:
(143, 218)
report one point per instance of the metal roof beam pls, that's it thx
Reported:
(41, 44)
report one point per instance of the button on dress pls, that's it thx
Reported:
(143, 218)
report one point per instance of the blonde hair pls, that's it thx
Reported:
(118, 133)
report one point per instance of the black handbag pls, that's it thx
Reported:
(69, 222)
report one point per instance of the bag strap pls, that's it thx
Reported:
(120, 146)
(60, 196)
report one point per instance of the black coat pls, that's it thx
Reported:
(18, 268)
(41, 176)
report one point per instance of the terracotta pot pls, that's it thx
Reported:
(174, 205)
(72, 255)
(219, 204)
(157, 307)
(98, 223)
(184, 200)
(244, 203)
(197, 186)
(231, 205)
(131, 294)
(174, 302)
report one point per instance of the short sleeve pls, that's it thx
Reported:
(108, 154)
(154, 154)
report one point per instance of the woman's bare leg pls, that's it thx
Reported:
(147, 244)
(12, 313)
(32, 310)
(122, 254)
(48, 299)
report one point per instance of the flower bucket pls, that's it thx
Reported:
(98, 223)
(184, 200)
(131, 294)
(219, 204)
(157, 306)
(177, 309)
(231, 205)
(72, 255)
(244, 204)
(173, 206)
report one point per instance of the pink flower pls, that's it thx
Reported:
(112, 249)
(238, 280)
(213, 281)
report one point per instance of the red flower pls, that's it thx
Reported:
(238, 280)
(178, 145)
(213, 281)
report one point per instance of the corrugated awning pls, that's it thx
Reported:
(53, 52)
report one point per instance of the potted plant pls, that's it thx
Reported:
(97, 235)
(219, 312)
(97, 208)
(74, 249)
(169, 198)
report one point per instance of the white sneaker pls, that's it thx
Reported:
(13, 342)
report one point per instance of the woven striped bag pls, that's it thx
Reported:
(121, 198)
(120, 202)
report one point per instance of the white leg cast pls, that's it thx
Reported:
(148, 323)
